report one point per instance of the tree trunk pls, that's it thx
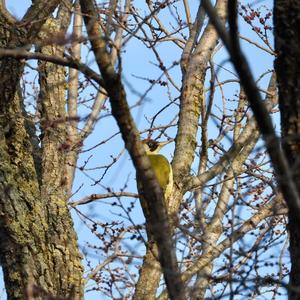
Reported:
(287, 44)
(38, 243)
(149, 275)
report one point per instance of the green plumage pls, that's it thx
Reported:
(161, 169)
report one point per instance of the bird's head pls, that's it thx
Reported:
(153, 147)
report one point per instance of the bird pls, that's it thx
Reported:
(160, 164)
(162, 170)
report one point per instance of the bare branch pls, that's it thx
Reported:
(95, 197)
(188, 14)
(279, 161)
(275, 208)
(20, 53)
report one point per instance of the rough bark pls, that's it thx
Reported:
(65, 256)
(287, 64)
(38, 243)
(149, 274)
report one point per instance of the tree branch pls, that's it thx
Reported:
(95, 197)
(273, 209)
(20, 53)
(264, 122)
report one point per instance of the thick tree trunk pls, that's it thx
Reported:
(287, 44)
(38, 242)
(23, 223)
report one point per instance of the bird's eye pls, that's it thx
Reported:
(152, 145)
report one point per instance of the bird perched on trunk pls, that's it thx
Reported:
(162, 170)
(161, 166)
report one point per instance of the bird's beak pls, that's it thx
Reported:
(162, 144)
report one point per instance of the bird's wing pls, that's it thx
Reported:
(163, 172)
(162, 169)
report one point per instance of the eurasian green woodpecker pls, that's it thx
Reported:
(161, 167)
